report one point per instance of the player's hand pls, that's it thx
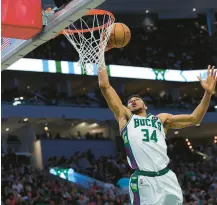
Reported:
(210, 83)
(108, 47)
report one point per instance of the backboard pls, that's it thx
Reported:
(14, 49)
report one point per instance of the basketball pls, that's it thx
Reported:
(120, 36)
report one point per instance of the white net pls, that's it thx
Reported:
(89, 36)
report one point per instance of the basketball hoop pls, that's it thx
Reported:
(89, 36)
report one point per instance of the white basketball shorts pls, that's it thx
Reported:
(163, 189)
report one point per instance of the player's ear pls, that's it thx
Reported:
(145, 107)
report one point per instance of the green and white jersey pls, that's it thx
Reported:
(144, 141)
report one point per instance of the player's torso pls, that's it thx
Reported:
(144, 141)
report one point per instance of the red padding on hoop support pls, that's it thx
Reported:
(21, 19)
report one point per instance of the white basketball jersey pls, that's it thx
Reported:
(144, 141)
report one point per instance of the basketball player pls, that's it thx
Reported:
(152, 183)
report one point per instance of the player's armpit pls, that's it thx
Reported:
(177, 121)
(114, 102)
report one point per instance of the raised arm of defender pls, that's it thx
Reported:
(110, 95)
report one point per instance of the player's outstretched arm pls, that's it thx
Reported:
(180, 121)
(110, 95)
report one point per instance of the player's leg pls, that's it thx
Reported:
(145, 191)
(173, 191)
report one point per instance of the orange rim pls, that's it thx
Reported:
(92, 12)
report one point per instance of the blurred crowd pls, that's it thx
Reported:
(106, 169)
(197, 174)
(88, 136)
(167, 44)
(23, 185)
(50, 96)
(170, 44)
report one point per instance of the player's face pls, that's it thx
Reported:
(136, 104)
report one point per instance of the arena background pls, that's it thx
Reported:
(60, 143)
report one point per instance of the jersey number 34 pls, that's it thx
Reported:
(149, 136)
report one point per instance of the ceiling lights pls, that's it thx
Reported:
(189, 145)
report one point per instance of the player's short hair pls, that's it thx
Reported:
(136, 96)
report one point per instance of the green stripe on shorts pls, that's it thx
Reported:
(135, 189)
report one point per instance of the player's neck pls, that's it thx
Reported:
(141, 113)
